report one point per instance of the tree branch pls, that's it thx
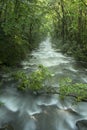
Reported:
(84, 3)
(54, 91)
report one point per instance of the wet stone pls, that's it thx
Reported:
(7, 127)
(82, 125)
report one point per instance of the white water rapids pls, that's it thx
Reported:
(45, 112)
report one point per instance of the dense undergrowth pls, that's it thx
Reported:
(36, 83)
(12, 49)
(22, 28)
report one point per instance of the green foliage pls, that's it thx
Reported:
(11, 53)
(35, 81)
(77, 90)
(1, 104)
(22, 27)
(70, 25)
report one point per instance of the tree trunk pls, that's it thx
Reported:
(80, 28)
(63, 21)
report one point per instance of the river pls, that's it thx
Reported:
(44, 112)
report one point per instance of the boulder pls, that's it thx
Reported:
(82, 124)
(7, 127)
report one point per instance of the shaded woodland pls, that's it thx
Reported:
(25, 23)
(70, 26)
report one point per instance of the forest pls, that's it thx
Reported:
(22, 27)
(70, 26)
(43, 64)
(24, 23)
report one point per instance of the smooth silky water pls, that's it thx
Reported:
(44, 112)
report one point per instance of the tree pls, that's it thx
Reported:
(21, 27)
(71, 19)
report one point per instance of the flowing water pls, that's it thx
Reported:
(44, 112)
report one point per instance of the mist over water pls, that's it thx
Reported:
(45, 112)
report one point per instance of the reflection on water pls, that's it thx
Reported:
(45, 112)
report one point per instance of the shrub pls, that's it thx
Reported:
(11, 52)
(35, 81)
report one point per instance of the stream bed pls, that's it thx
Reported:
(24, 111)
